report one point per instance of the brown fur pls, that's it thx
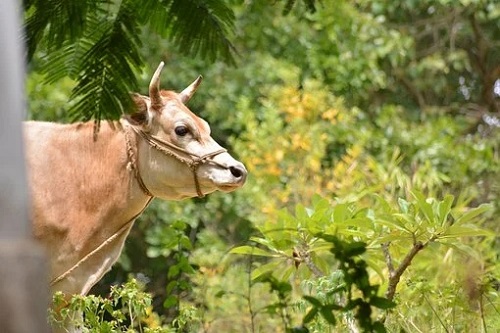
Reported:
(72, 212)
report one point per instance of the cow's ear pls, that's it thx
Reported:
(140, 116)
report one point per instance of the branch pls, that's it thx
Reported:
(395, 275)
(305, 257)
(415, 93)
(388, 258)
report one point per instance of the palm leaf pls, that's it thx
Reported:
(55, 22)
(197, 27)
(107, 71)
(201, 27)
(97, 43)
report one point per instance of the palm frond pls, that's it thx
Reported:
(55, 22)
(97, 43)
(107, 70)
(197, 27)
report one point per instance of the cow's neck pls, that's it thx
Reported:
(110, 199)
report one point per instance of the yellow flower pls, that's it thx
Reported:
(330, 115)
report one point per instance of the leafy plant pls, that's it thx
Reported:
(307, 237)
(355, 279)
(124, 311)
(172, 243)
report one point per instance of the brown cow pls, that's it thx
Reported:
(87, 191)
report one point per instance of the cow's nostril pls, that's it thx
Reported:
(237, 171)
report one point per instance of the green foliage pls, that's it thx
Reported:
(97, 43)
(283, 295)
(46, 102)
(355, 278)
(345, 230)
(310, 5)
(124, 311)
(127, 309)
(164, 243)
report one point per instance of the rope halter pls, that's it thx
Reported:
(193, 161)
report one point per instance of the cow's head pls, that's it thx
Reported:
(177, 157)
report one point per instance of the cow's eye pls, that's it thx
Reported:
(181, 130)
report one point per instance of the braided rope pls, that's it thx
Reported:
(135, 167)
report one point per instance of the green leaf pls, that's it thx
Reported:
(406, 220)
(266, 268)
(285, 273)
(459, 246)
(466, 230)
(358, 222)
(403, 205)
(376, 267)
(393, 224)
(314, 301)
(252, 250)
(352, 249)
(170, 286)
(179, 225)
(444, 208)
(385, 206)
(286, 221)
(205, 32)
(170, 301)
(319, 202)
(424, 206)
(340, 212)
(382, 303)
(472, 213)
(320, 246)
(173, 271)
(378, 327)
(185, 243)
(394, 236)
(301, 213)
(264, 242)
(98, 43)
(327, 314)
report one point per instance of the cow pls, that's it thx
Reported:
(88, 187)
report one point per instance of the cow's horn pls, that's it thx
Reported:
(154, 88)
(187, 93)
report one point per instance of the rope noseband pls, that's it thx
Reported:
(193, 161)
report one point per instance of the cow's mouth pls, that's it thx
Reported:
(228, 187)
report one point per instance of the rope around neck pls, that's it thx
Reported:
(134, 166)
(101, 246)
